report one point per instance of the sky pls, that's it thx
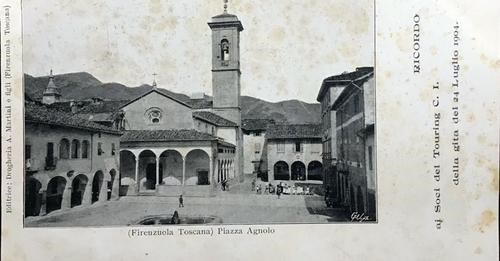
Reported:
(287, 47)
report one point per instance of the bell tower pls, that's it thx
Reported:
(226, 72)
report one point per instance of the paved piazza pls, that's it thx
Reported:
(238, 206)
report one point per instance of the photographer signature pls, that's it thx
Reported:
(360, 217)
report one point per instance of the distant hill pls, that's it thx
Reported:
(82, 85)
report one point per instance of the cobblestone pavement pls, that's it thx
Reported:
(233, 207)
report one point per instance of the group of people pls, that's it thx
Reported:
(281, 189)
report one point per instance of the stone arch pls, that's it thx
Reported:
(78, 186)
(97, 183)
(171, 167)
(298, 171)
(315, 170)
(197, 168)
(147, 170)
(75, 149)
(33, 198)
(64, 149)
(281, 171)
(55, 192)
(127, 172)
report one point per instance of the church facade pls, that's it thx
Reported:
(171, 146)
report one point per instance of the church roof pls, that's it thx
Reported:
(162, 92)
(166, 135)
(256, 124)
(214, 119)
(294, 131)
(38, 113)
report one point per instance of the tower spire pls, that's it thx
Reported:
(51, 93)
(225, 6)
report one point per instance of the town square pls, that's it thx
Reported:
(104, 154)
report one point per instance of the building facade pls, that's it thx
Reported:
(355, 125)
(294, 153)
(69, 161)
(254, 144)
(330, 90)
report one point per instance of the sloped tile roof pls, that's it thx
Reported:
(102, 107)
(214, 119)
(256, 124)
(343, 78)
(295, 131)
(166, 135)
(201, 103)
(225, 143)
(38, 113)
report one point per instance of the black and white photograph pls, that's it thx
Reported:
(198, 112)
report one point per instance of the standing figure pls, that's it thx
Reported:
(279, 189)
(181, 201)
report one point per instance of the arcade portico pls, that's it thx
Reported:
(174, 162)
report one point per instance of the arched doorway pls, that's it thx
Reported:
(55, 191)
(78, 189)
(298, 171)
(197, 168)
(360, 203)
(97, 185)
(171, 167)
(281, 171)
(147, 170)
(33, 198)
(127, 172)
(315, 170)
(112, 173)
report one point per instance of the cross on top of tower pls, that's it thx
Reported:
(225, 6)
(154, 79)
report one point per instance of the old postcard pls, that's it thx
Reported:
(249, 130)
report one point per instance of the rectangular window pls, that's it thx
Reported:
(298, 146)
(50, 150)
(99, 149)
(370, 159)
(281, 147)
(113, 150)
(27, 152)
